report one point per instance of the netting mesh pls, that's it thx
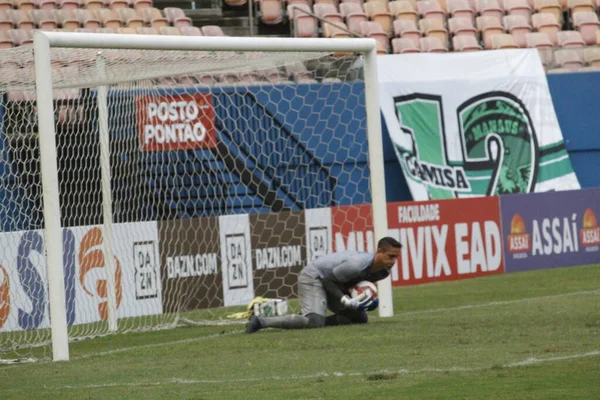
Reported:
(224, 168)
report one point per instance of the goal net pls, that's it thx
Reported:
(189, 182)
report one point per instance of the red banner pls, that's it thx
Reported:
(176, 122)
(447, 240)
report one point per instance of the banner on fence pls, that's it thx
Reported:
(550, 230)
(476, 124)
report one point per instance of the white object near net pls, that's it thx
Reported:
(178, 176)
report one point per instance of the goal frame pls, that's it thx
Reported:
(43, 41)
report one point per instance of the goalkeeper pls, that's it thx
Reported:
(324, 284)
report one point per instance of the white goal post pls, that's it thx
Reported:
(45, 42)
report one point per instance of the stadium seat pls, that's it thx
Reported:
(465, 43)
(127, 30)
(542, 42)
(489, 26)
(461, 9)
(169, 30)
(22, 19)
(130, 18)
(546, 23)
(432, 45)
(328, 14)
(6, 22)
(304, 24)
(461, 27)
(26, 5)
(570, 39)
(236, 3)
(6, 5)
(92, 4)
(586, 22)
(67, 19)
(6, 41)
(141, 4)
(403, 46)
(550, 7)
(106, 30)
(518, 27)
(271, 12)
(569, 59)
(21, 37)
(212, 30)
(354, 15)
(577, 6)
(147, 30)
(378, 12)
(118, 4)
(87, 19)
(153, 17)
(373, 30)
(190, 31)
(45, 4)
(44, 19)
(176, 17)
(434, 28)
(504, 41)
(339, 30)
(431, 9)
(591, 56)
(403, 9)
(518, 7)
(108, 18)
(490, 8)
(408, 30)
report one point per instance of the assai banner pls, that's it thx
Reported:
(551, 230)
(473, 124)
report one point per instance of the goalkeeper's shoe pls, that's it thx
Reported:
(254, 325)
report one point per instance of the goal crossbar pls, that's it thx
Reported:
(44, 41)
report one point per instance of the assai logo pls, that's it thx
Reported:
(518, 241)
(236, 260)
(590, 233)
(146, 276)
(499, 152)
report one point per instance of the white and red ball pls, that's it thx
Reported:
(370, 301)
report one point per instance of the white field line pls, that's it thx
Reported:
(411, 313)
(187, 381)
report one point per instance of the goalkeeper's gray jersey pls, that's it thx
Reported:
(340, 267)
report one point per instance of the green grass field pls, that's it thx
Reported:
(533, 335)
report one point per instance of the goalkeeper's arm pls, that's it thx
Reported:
(333, 289)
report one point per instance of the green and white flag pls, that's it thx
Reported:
(473, 124)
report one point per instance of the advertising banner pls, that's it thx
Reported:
(476, 124)
(550, 230)
(278, 253)
(191, 260)
(24, 300)
(446, 240)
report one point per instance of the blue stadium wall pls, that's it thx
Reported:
(575, 99)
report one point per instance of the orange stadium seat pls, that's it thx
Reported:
(190, 31)
(403, 9)
(518, 7)
(106, 30)
(378, 12)
(153, 17)
(109, 18)
(304, 24)
(550, 7)
(465, 43)
(6, 41)
(24, 4)
(570, 39)
(569, 59)
(462, 27)
(591, 56)
(461, 9)
(44, 19)
(354, 15)
(45, 4)
(141, 4)
(6, 22)
(127, 30)
(87, 19)
(434, 28)
(6, 5)
(586, 22)
(504, 41)
(408, 30)
(518, 26)
(328, 14)
(542, 42)
(546, 23)
(169, 30)
(490, 8)
(337, 31)
(212, 30)
(577, 6)
(373, 30)
(147, 30)
(130, 18)
(489, 27)
(21, 37)
(432, 45)
(271, 12)
(431, 9)
(92, 4)
(68, 4)
(176, 17)
(22, 19)
(403, 46)
(117, 4)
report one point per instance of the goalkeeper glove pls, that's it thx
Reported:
(353, 303)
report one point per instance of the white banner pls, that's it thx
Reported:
(473, 124)
(23, 277)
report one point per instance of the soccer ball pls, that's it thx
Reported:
(371, 301)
